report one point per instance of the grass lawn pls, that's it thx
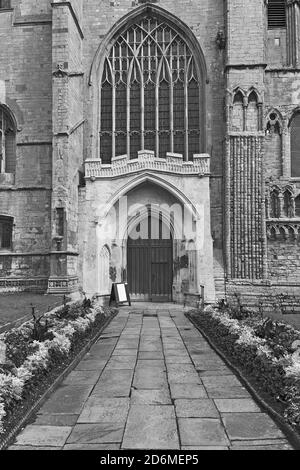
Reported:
(291, 319)
(16, 306)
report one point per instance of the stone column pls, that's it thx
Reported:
(67, 38)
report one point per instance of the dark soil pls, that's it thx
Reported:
(37, 389)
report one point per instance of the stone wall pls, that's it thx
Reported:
(25, 87)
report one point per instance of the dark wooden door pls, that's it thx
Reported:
(149, 268)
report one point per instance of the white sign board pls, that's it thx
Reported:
(122, 293)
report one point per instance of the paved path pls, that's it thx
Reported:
(151, 382)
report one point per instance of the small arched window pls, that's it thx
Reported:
(6, 230)
(7, 142)
(287, 204)
(274, 204)
(252, 113)
(276, 14)
(151, 93)
(295, 146)
(297, 206)
(238, 112)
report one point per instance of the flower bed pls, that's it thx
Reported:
(40, 349)
(266, 350)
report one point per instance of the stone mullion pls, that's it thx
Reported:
(242, 218)
(263, 214)
(247, 207)
(238, 214)
(248, 215)
(227, 210)
(281, 206)
(257, 260)
(253, 210)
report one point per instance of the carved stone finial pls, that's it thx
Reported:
(60, 71)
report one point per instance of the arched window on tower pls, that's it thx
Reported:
(151, 93)
(295, 146)
(288, 209)
(273, 146)
(297, 206)
(7, 142)
(274, 204)
(276, 14)
(238, 112)
(252, 113)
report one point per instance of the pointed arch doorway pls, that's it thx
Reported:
(150, 261)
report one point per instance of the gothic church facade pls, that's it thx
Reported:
(113, 112)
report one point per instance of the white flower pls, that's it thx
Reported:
(2, 416)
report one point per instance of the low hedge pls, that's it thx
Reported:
(266, 350)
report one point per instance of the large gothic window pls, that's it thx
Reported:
(150, 94)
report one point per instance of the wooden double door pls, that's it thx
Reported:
(150, 269)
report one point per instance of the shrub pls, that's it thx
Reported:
(263, 348)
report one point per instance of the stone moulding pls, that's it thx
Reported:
(283, 229)
(62, 285)
(173, 163)
(19, 285)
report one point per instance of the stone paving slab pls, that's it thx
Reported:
(144, 363)
(125, 352)
(120, 362)
(104, 410)
(202, 432)
(68, 399)
(236, 405)
(250, 426)
(151, 397)
(199, 448)
(151, 382)
(149, 378)
(56, 420)
(224, 387)
(50, 436)
(196, 408)
(114, 383)
(99, 433)
(151, 427)
(150, 355)
(78, 377)
(31, 448)
(259, 443)
(91, 364)
(188, 391)
(92, 447)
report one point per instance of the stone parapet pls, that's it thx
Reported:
(173, 163)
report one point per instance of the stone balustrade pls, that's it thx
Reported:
(173, 163)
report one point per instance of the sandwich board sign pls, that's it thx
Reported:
(120, 294)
